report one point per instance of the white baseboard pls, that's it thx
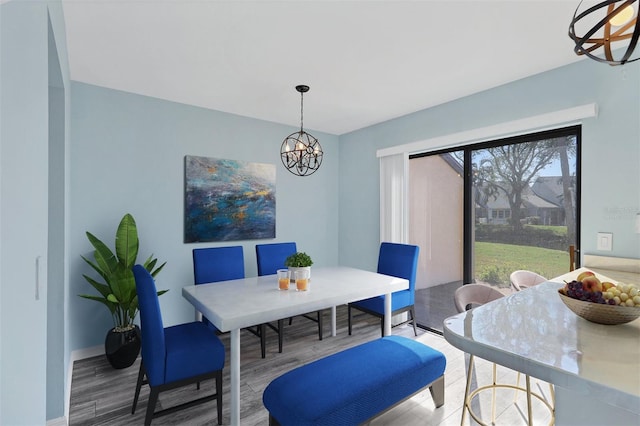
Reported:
(399, 319)
(87, 353)
(60, 421)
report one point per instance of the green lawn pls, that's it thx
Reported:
(495, 262)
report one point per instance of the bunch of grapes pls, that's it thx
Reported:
(575, 290)
(623, 295)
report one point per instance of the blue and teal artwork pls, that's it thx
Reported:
(227, 200)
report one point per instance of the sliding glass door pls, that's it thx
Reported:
(485, 210)
(524, 206)
(436, 200)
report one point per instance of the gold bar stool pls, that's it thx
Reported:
(521, 280)
(467, 297)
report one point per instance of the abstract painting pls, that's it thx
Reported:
(227, 200)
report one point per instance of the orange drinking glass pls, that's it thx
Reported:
(283, 279)
(302, 279)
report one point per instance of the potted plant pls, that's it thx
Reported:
(118, 290)
(296, 261)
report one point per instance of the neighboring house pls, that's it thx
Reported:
(542, 203)
(550, 189)
(548, 212)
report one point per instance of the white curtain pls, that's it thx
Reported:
(393, 198)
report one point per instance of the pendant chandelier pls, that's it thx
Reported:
(611, 25)
(300, 152)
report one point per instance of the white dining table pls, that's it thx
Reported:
(595, 368)
(236, 304)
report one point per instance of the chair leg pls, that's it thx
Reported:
(151, 406)
(263, 340)
(219, 395)
(466, 404)
(273, 421)
(437, 392)
(138, 386)
(493, 394)
(349, 318)
(280, 334)
(413, 320)
(319, 325)
(528, 386)
(529, 413)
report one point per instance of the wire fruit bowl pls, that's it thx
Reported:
(601, 313)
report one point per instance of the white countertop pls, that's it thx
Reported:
(533, 332)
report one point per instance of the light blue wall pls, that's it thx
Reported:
(610, 151)
(127, 155)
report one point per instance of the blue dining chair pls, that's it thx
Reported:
(174, 356)
(397, 260)
(270, 258)
(214, 264)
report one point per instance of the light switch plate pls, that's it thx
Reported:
(605, 241)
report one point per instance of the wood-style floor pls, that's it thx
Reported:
(101, 395)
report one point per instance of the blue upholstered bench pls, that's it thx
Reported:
(355, 385)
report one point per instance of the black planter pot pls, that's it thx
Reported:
(122, 347)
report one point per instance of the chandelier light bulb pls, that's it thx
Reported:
(624, 16)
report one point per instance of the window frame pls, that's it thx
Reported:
(467, 149)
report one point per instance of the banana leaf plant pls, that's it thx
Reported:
(118, 287)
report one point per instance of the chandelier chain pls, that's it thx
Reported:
(301, 109)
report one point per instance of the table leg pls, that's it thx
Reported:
(235, 376)
(387, 314)
(333, 321)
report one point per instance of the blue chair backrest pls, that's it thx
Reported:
(151, 327)
(271, 257)
(399, 260)
(218, 264)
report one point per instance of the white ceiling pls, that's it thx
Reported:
(365, 61)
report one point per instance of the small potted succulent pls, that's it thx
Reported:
(297, 261)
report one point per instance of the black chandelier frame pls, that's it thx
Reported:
(301, 152)
(589, 43)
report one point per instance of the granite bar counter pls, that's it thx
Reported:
(595, 368)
